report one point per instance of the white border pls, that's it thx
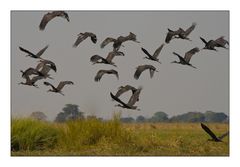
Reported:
(6, 159)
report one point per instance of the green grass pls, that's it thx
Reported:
(94, 137)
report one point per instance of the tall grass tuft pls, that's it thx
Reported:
(29, 134)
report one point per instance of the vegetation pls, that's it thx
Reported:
(92, 136)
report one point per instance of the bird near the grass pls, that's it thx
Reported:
(180, 33)
(108, 60)
(123, 89)
(142, 68)
(30, 54)
(212, 135)
(31, 82)
(50, 15)
(133, 99)
(187, 57)
(155, 54)
(117, 43)
(83, 36)
(100, 73)
(211, 44)
(59, 88)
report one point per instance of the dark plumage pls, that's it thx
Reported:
(100, 73)
(155, 55)
(31, 82)
(123, 89)
(60, 86)
(211, 44)
(30, 54)
(83, 36)
(30, 71)
(142, 68)
(49, 16)
(187, 57)
(213, 136)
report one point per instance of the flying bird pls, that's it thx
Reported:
(213, 136)
(133, 99)
(44, 62)
(50, 15)
(180, 33)
(142, 68)
(187, 57)
(118, 42)
(100, 73)
(155, 55)
(211, 44)
(108, 60)
(30, 54)
(60, 86)
(30, 71)
(83, 36)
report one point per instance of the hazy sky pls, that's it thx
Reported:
(175, 89)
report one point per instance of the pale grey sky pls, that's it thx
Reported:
(176, 89)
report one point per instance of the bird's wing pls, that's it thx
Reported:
(221, 41)
(118, 100)
(107, 41)
(30, 71)
(146, 52)
(180, 57)
(224, 135)
(134, 98)
(26, 51)
(45, 70)
(190, 29)
(206, 129)
(122, 90)
(93, 37)
(46, 18)
(63, 83)
(131, 37)
(204, 41)
(99, 75)
(81, 37)
(156, 53)
(110, 56)
(190, 53)
(95, 58)
(41, 51)
(113, 72)
(49, 84)
(139, 71)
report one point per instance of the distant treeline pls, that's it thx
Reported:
(72, 112)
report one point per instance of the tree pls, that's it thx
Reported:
(140, 119)
(127, 120)
(189, 117)
(70, 112)
(38, 115)
(159, 117)
(211, 116)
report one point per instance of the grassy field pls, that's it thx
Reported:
(93, 137)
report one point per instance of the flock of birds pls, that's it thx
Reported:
(45, 66)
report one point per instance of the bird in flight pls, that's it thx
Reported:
(60, 86)
(211, 44)
(123, 89)
(83, 36)
(50, 15)
(187, 57)
(155, 54)
(212, 135)
(100, 73)
(30, 54)
(142, 68)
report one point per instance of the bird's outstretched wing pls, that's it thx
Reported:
(46, 62)
(123, 89)
(49, 16)
(190, 29)
(95, 58)
(139, 71)
(209, 132)
(223, 135)
(63, 83)
(134, 98)
(107, 41)
(146, 52)
(30, 71)
(49, 84)
(169, 36)
(118, 100)
(190, 53)
(27, 51)
(99, 75)
(36, 78)
(221, 41)
(180, 57)
(83, 36)
(204, 41)
(42, 51)
(156, 53)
